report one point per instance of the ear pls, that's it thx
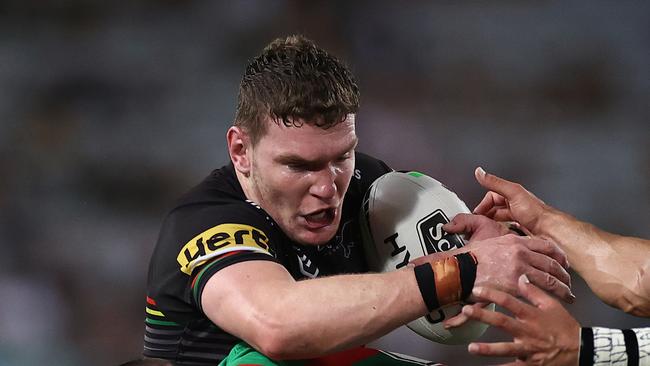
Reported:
(240, 149)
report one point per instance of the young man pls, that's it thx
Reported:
(267, 250)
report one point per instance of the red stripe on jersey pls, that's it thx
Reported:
(345, 358)
(212, 261)
(151, 301)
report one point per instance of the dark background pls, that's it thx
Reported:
(111, 109)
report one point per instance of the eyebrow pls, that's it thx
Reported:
(296, 159)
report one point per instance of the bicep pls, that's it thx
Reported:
(238, 298)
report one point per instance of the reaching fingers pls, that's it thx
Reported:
(502, 321)
(499, 185)
(547, 248)
(532, 293)
(503, 299)
(551, 284)
(490, 200)
(497, 349)
(500, 213)
(460, 319)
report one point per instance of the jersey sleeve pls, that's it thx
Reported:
(197, 241)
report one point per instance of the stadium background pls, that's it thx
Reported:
(111, 109)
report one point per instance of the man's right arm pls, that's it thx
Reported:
(259, 301)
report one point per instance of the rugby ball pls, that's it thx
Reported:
(402, 219)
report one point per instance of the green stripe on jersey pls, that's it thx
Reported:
(195, 289)
(161, 322)
(243, 354)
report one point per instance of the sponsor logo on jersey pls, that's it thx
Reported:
(433, 238)
(307, 267)
(219, 240)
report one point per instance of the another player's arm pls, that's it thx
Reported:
(616, 268)
(262, 304)
(545, 333)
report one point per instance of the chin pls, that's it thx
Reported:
(307, 237)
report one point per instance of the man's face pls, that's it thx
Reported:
(299, 175)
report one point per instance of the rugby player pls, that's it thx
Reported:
(615, 267)
(264, 256)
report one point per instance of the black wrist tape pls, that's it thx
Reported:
(427, 284)
(631, 347)
(586, 357)
(467, 265)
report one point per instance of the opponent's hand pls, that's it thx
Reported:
(544, 333)
(501, 260)
(475, 227)
(509, 201)
(460, 318)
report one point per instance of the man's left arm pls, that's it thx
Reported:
(616, 267)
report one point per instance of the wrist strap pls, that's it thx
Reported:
(467, 263)
(446, 281)
(586, 357)
(427, 285)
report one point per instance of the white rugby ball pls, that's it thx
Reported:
(403, 214)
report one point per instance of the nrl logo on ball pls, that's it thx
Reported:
(433, 238)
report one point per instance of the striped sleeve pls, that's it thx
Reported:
(615, 347)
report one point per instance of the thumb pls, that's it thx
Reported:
(461, 223)
(496, 184)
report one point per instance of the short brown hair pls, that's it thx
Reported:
(293, 79)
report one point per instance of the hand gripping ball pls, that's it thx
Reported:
(403, 214)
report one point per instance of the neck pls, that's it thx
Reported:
(246, 184)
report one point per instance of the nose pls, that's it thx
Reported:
(324, 185)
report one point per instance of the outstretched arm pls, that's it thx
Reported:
(615, 267)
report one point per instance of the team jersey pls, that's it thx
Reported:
(243, 354)
(214, 226)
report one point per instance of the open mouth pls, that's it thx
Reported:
(320, 218)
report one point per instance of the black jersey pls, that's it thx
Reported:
(214, 226)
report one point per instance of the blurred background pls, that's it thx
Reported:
(111, 109)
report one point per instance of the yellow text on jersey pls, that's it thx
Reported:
(219, 240)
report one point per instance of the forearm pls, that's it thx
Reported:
(615, 267)
(334, 313)
(285, 319)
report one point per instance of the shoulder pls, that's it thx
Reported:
(212, 219)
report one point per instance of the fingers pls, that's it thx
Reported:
(455, 321)
(499, 185)
(460, 319)
(466, 223)
(534, 294)
(502, 321)
(547, 248)
(489, 201)
(500, 213)
(548, 265)
(551, 284)
(497, 349)
(503, 299)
